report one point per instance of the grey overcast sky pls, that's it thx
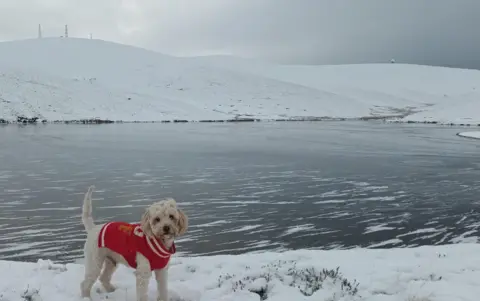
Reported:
(436, 32)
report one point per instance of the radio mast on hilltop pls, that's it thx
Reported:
(39, 31)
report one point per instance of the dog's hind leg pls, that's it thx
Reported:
(94, 259)
(106, 276)
(92, 271)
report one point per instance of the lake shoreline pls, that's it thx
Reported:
(384, 119)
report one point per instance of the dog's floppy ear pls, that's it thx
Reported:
(145, 223)
(182, 222)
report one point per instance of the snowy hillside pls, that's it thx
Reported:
(71, 79)
(424, 93)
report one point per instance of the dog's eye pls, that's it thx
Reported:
(171, 216)
(157, 219)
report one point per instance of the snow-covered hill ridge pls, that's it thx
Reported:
(72, 79)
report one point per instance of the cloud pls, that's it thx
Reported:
(439, 32)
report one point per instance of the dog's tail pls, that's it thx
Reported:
(87, 218)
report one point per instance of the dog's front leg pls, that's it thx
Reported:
(143, 274)
(162, 284)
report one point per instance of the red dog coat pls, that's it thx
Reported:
(128, 239)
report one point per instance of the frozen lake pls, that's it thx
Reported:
(246, 187)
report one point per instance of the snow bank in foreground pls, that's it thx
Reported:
(73, 79)
(475, 135)
(441, 273)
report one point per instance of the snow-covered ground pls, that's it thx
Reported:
(71, 79)
(442, 273)
(474, 135)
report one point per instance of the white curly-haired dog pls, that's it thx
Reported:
(145, 246)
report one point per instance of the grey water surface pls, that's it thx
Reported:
(245, 187)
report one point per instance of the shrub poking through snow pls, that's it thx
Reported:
(23, 119)
(308, 280)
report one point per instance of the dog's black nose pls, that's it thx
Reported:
(166, 229)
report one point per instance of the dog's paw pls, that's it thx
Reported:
(106, 288)
(109, 288)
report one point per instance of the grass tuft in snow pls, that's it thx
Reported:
(311, 280)
(307, 280)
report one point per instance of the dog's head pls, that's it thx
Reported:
(164, 220)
